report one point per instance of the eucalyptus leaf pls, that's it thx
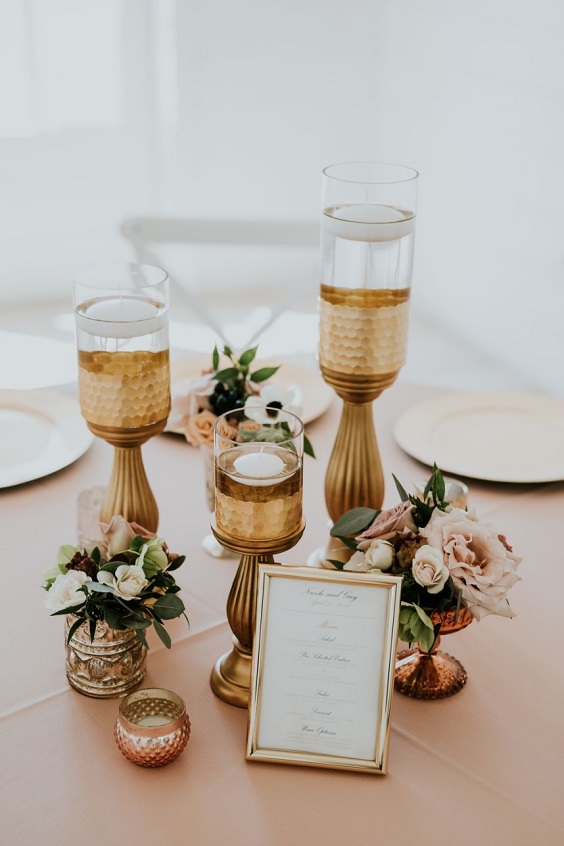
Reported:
(168, 607)
(354, 521)
(72, 610)
(404, 496)
(99, 588)
(162, 633)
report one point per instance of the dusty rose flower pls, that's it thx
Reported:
(118, 534)
(480, 563)
(199, 428)
(429, 569)
(388, 524)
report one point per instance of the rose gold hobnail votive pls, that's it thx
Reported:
(152, 727)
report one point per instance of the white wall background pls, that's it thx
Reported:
(231, 109)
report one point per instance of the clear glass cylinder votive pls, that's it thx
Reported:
(152, 727)
(258, 473)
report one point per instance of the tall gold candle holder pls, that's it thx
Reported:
(367, 239)
(258, 514)
(121, 313)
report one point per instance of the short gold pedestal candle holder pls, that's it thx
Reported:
(258, 514)
(121, 316)
(367, 238)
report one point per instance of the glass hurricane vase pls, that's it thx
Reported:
(121, 313)
(367, 240)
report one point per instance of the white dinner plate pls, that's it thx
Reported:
(310, 391)
(40, 432)
(497, 437)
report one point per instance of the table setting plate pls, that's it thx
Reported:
(40, 432)
(496, 437)
(310, 391)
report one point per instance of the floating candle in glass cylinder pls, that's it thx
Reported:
(258, 475)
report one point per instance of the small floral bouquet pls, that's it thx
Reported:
(447, 558)
(128, 583)
(230, 388)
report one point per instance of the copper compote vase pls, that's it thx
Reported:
(433, 674)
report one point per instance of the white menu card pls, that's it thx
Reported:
(323, 667)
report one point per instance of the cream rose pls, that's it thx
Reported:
(428, 568)
(480, 562)
(379, 555)
(128, 581)
(65, 592)
(199, 428)
(388, 524)
(357, 563)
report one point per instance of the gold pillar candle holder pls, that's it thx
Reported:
(367, 239)
(152, 727)
(258, 514)
(121, 314)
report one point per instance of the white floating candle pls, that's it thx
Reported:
(368, 222)
(259, 468)
(121, 317)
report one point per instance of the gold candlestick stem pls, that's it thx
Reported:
(354, 475)
(231, 676)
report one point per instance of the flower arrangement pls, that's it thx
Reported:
(128, 583)
(224, 389)
(447, 558)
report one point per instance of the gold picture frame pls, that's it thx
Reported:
(322, 674)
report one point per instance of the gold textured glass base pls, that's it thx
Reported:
(110, 665)
(428, 676)
(434, 674)
(231, 676)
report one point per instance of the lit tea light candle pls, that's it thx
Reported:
(259, 468)
(153, 720)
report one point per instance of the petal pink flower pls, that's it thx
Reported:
(479, 561)
(118, 534)
(388, 524)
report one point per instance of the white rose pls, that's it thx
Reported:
(128, 582)
(429, 569)
(65, 591)
(379, 555)
(357, 563)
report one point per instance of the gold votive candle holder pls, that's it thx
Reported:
(152, 727)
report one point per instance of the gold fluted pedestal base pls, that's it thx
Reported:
(231, 676)
(128, 492)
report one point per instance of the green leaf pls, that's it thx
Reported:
(92, 627)
(113, 617)
(404, 496)
(136, 622)
(95, 555)
(227, 351)
(162, 633)
(347, 542)
(354, 521)
(308, 448)
(176, 563)
(66, 552)
(72, 610)
(338, 565)
(215, 358)
(227, 374)
(141, 637)
(74, 627)
(168, 606)
(263, 374)
(247, 357)
(99, 588)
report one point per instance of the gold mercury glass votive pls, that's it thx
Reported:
(152, 727)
